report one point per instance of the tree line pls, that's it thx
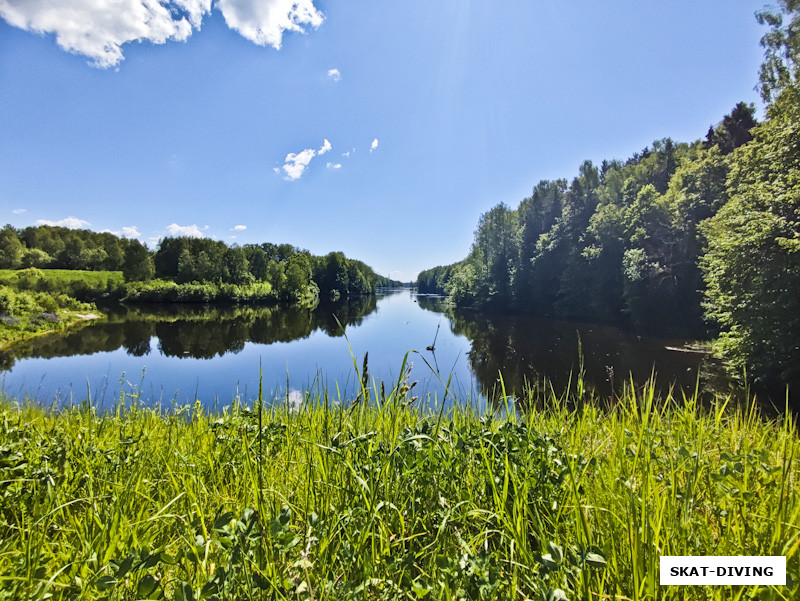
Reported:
(290, 272)
(682, 238)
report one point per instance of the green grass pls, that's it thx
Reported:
(385, 500)
(25, 314)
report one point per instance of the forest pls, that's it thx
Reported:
(696, 239)
(49, 275)
(184, 266)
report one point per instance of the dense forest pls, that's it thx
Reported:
(191, 268)
(684, 238)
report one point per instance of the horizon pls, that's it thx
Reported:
(368, 132)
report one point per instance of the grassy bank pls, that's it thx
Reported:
(25, 315)
(387, 501)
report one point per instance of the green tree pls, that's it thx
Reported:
(537, 214)
(298, 275)
(333, 278)
(11, 249)
(187, 268)
(496, 240)
(753, 261)
(734, 129)
(237, 266)
(137, 264)
(781, 66)
(35, 257)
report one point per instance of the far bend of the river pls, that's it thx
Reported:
(178, 353)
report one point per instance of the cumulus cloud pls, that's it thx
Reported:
(98, 29)
(334, 74)
(71, 222)
(374, 145)
(19, 211)
(238, 228)
(127, 231)
(295, 163)
(264, 21)
(190, 231)
(334, 165)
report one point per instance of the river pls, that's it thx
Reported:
(174, 354)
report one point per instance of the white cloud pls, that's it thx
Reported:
(374, 145)
(264, 21)
(296, 164)
(98, 28)
(130, 231)
(19, 211)
(334, 74)
(239, 228)
(294, 398)
(72, 223)
(127, 231)
(191, 231)
(334, 165)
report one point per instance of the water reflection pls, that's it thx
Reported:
(528, 350)
(215, 350)
(195, 331)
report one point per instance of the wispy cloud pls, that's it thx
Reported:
(71, 222)
(374, 145)
(334, 74)
(238, 228)
(333, 165)
(19, 211)
(191, 231)
(98, 29)
(326, 146)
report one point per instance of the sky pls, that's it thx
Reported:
(379, 129)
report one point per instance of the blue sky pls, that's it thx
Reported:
(381, 129)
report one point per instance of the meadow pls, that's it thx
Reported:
(552, 496)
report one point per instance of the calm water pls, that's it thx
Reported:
(176, 352)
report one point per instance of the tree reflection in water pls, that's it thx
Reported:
(526, 350)
(530, 351)
(195, 331)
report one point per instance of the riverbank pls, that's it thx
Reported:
(387, 501)
(26, 315)
(42, 326)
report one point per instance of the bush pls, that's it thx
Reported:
(16, 303)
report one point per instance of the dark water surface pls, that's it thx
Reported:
(172, 353)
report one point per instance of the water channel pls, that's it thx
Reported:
(174, 354)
